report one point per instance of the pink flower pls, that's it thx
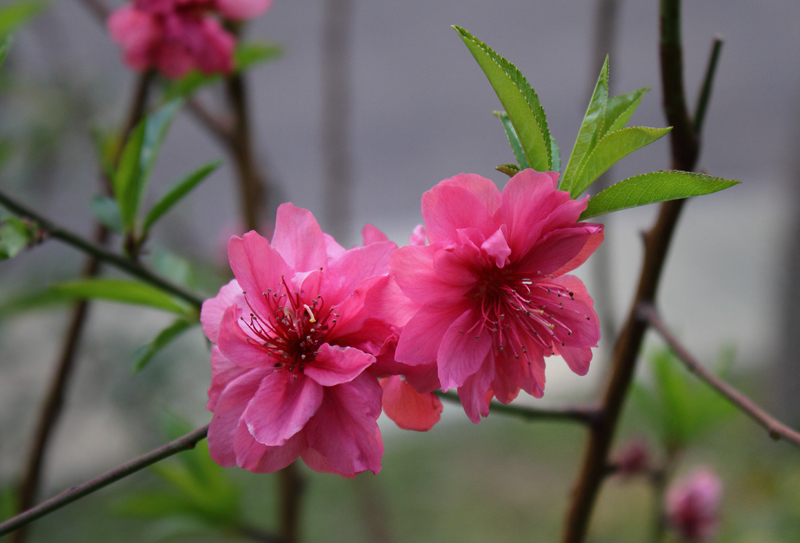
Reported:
(491, 288)
(172, 38)
(238, 10)
(693, 505)
(292, 340)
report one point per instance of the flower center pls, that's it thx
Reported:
(517, 308)
(293, 328)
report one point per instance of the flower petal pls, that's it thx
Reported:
(413, 269)
(238, 346)
(419, 341)
(556, 249)
(371, 234)
(257, 266)
(335, 365)
(448, 207)
(484, 189)
(259, 458)
(281, 407)
(344, 429)
(239, 10)
(465, 345)
(223, 371)
(359, 263)
(228, 410)
(596, 237)
(298, 238)
(214, 308)
(473, 392)
(409, 409)
(525, 372)
(459, 265)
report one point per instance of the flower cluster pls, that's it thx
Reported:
(177, 36)
(312, 340)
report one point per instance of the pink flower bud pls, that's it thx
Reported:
(693, 505)
(634, 459)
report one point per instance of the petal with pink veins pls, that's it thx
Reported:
(465, 345)
(413, 270)
(227, 412)
(359, 263)
(555, 250)
(483, 189)
(371, 234)
(458, 266)
(344, 429)
(281, 407)
(473, 392)
(335, 365)
(258, 267)
(238, 346)
(420, 339)
(497, 247)
(214, 308)
(259, 458)
(298, 238)
(446, 208)
(223, 371)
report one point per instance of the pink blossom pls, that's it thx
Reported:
(634, 459)
(292, 340)
(491, 291)
(171, 38)
(238, 10)
(408, 391)
(693, 505)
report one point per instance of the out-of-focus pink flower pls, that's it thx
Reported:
(491, 288)
(238, 10)
(693, 505)
(170, 38)
(292, 340)
(634, 459)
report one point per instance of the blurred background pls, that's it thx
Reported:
(419, 110)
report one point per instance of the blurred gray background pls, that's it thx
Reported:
(421, 112)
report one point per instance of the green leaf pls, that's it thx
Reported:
(173, 267)
(8, 502)
(32, 301)
(164, 338)
(127, 177)
(589, 133)
(555, 155)
(4, 47)
(509, 169)
(105, 145)
(18, 13)
(252, 53)
(620, 108)
(176, 192)
(106, 211)
(650, 188)
(519, 100)
(513, 139)
(187, 85)
(116, 290)
(15, 235)
(611, 149)
(156, 127)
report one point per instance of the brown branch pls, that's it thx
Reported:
(685, 150)
(584, 415)
(54, 400)
(74, 493)
(777, 430)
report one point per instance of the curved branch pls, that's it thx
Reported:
(82, 244)
(583, 415)
(76, 492)
(776, 429)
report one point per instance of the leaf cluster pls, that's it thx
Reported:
(603, 140)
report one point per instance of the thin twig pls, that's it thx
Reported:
(685, 150)
(777, 430)
(584, 415)
(82, 244)
(219, 126)
(705, 90)
(76, 492)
